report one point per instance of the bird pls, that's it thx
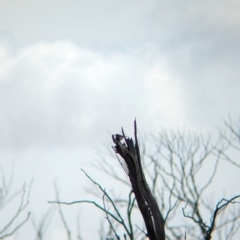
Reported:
(118, 137)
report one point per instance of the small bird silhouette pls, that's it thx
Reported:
(119, 137)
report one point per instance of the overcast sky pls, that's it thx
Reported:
(74, 72)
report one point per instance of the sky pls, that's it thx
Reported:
(74, 72)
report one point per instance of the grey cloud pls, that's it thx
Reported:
(62, 88)
(74, 72)
(119, 24)
(61, 94)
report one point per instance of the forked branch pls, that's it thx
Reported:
(147, 204)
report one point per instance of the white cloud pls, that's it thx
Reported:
(60, 93)
(166, 63)
(120, 23)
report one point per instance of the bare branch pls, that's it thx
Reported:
(5, 231)
(44, 223)
(61, 213)
(147, 203)
(109, 220)
(118, 217)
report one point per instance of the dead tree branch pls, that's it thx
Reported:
(8, 229)
(61, 213)
(146, 202)
(116, 215)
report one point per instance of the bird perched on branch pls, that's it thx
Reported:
(118, 137)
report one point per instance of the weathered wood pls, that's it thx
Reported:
(146, 202)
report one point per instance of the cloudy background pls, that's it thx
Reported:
(74, 72)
